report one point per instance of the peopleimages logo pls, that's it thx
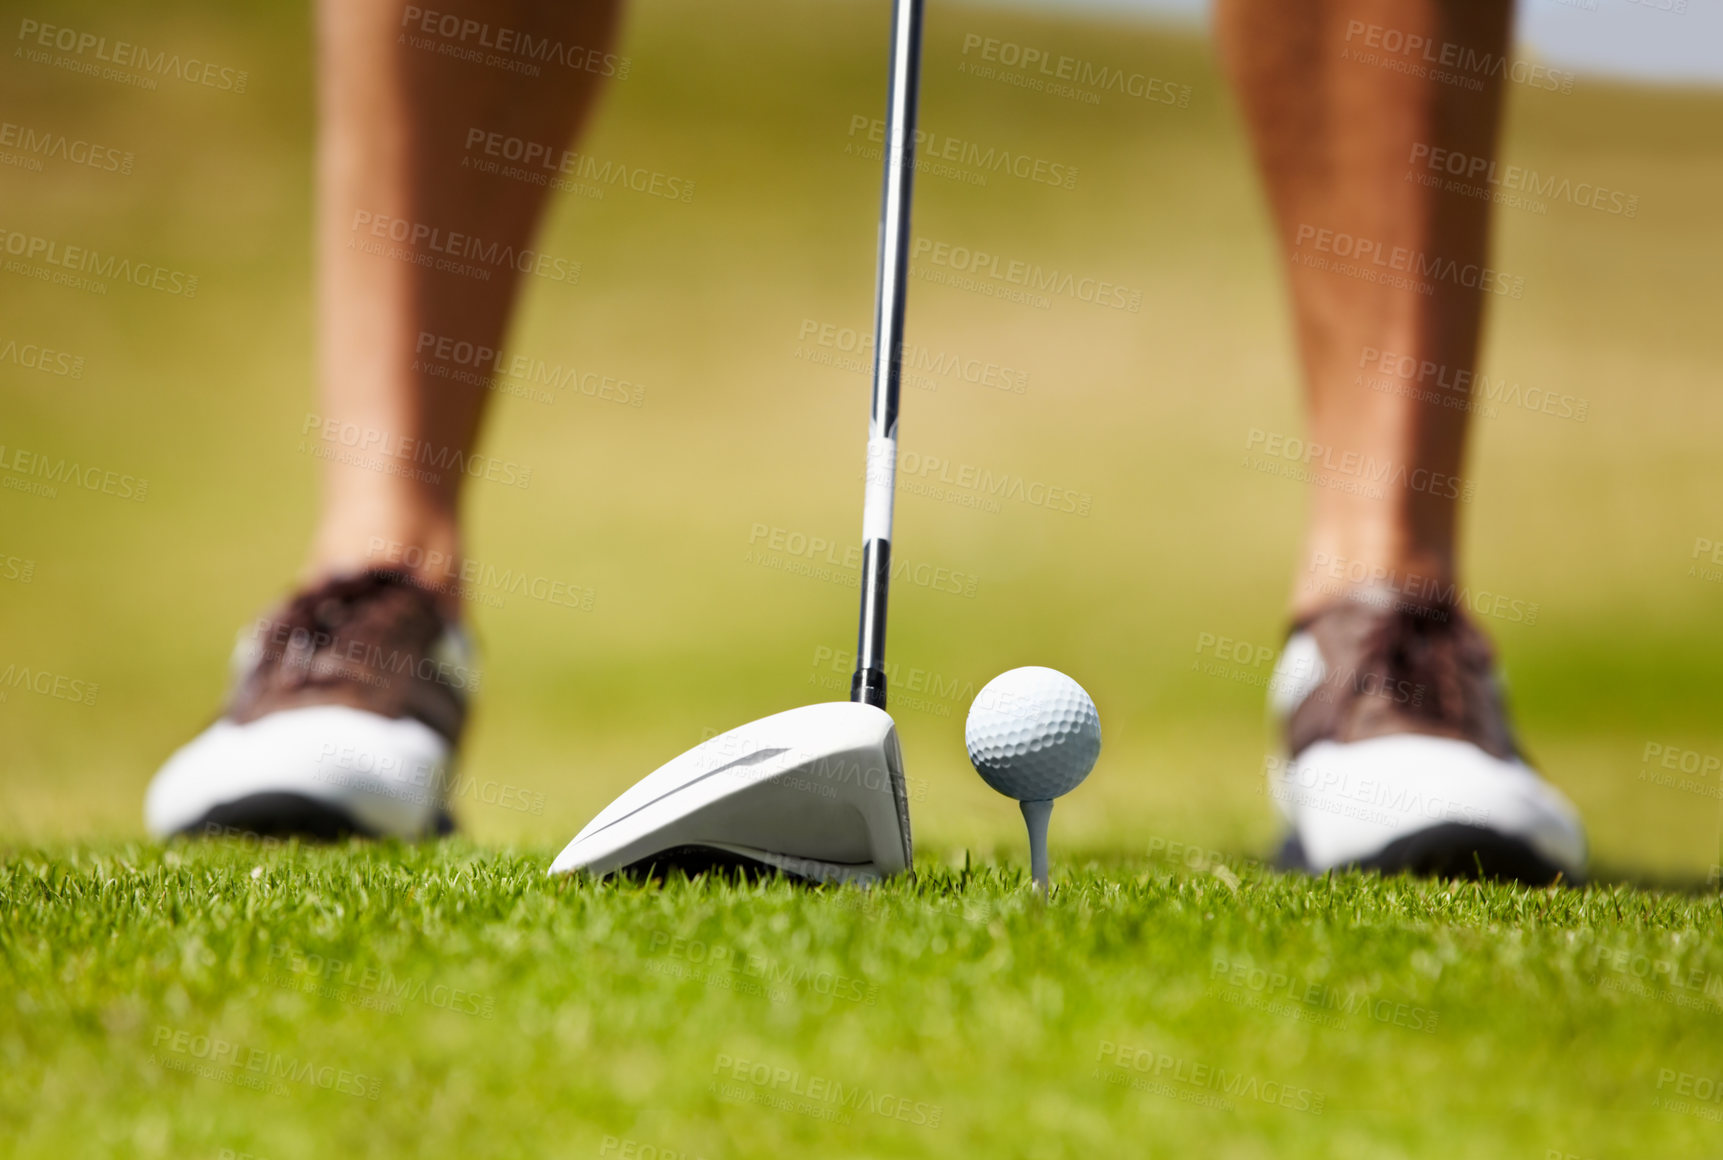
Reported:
(126, 55)
(1519, 179)
(1415, 54)
(920, 364)
(453, 251)
(396, 451)
(36, 144)
(745, 1080)
(919, 472)
(33, 471)
(1683, 1091)
(541, 164)
(819, 558)
(16, 568)
(502, 47)
(625, 1148)
(901, 679)
(1081, 73)
(1427, 596)
(1391, 372)
(987, 270)
(1370, 799)
(1158, 1071)
(460, 361)
(1319, 997)
(28, 247)
(1708, 554)
(34, 356)
(253, 1064)
(1372, 261)
(1321, 462)
(344, 974)
(989, 158)
(725, 967)
(47, 684)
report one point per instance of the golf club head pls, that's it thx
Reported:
(816, 792)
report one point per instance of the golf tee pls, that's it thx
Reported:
(1036, 815)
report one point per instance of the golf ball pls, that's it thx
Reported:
(1033, 734)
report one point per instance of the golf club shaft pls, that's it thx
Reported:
(868, 684)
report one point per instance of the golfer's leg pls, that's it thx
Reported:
(1334, 137)
(353, 693)
(394, 120)
(1387, 699)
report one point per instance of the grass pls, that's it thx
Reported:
(450, 1000)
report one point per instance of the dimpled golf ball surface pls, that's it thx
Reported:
(1033, 734)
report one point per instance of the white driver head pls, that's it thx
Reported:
(816, 792)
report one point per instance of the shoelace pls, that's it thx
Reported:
(312, 619)
(1432, 649)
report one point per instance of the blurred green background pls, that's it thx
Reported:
(659, 509)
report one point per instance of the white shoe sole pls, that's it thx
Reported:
(1407, 801)
(306, 769)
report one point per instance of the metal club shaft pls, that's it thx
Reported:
(868, 684)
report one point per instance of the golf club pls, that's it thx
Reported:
(815, 792)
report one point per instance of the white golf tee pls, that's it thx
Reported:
(1036, 815)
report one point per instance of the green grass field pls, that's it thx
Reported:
(687, 521)
(452, 1001)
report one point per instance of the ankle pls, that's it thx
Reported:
(426, 551)
(1326, 576)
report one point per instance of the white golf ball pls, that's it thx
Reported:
(1033, 734)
